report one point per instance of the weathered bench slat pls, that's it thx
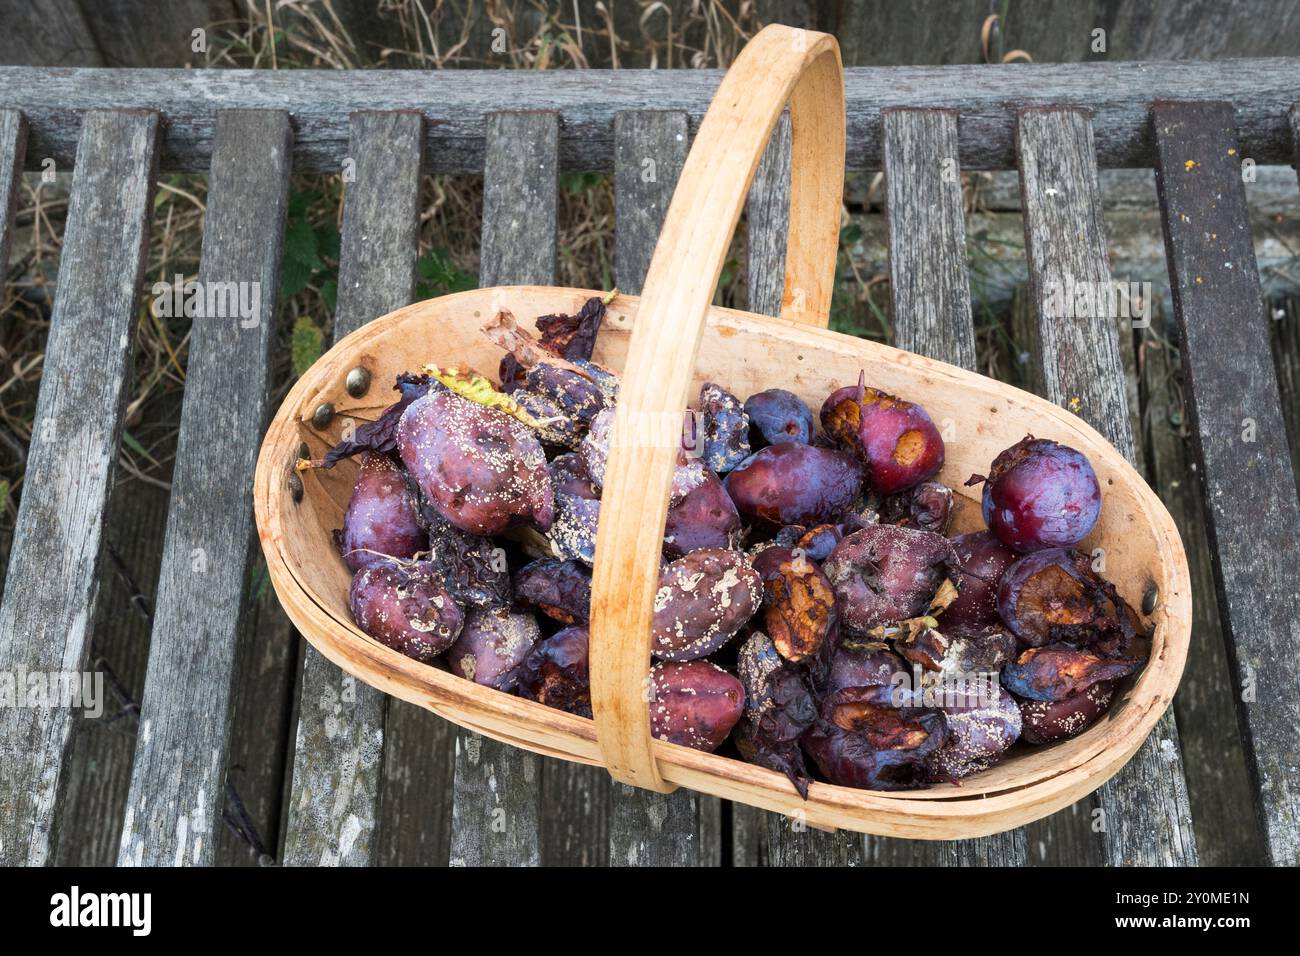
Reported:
(13, 147)
(495, 804)
(646, 828)
(457, 103)
(53, 573)
(178, 779)
(1146, 818)
(1249, 488)
(760, 837)
(334, 802)
(930, 290)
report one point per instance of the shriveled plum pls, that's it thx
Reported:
(555, 672)
(862, 740)
(1055, 595)
(573, 532)
(1041, 494)
(725, 427)
(1046, 721)
(689, 474)
(569, 475)
(470, 566)
(798, 609)
(794, 484)
(977, 738)
(885, 573)
(703, 600)
(856, 665)
(403, 606)
(927, 506)
(1057, 671)
(381, 517)
(492, 645)
(776, 416)
(705, 518)
(479, 467)
(694, 704)
(779, 708)
(559, 589)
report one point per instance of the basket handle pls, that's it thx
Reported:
(779, 65)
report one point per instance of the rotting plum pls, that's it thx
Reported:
(1054, 595)
(779, 708)
(855, 665)
(569, 475)
(1040, 494)
(977, 738)
(381, 518)
(703, 600)
(555, 672)
(573, 531)
(927, 506)
(861, 739)
(478, 467)
(776, 416)
(492, 645)
(981, 561)
(817, 543)
(1057, 671)
(895, 439)
(885, 573)
(559, 589)
(1046, 721)
(470, 566)
(689, 474)
(404, 606)
(798, 609)
(794, 484)
(726, 428)
(694, 704)
(705, 518)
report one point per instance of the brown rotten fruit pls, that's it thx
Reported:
(1057, 671)
(895, 439)
(861, 739)
(555, 672)
(798, 609)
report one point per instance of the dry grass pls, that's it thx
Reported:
(444, 34)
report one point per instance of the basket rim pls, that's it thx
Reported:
(980, 809)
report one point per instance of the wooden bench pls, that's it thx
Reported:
(1195, 123)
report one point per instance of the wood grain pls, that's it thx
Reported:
(44, 621)
(930, 295)
(1146, 816)
(1247, 481)
(497, 792)
(645, 828)
(779, 65)
(13, 149)
(178, 780)
(457, 104)
(334, 802)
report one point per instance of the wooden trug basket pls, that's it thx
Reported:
(665, 344)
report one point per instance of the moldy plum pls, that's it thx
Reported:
(492, 645)
(480, 468)
(1049, 720)
(381, 518)
(703, 600)
(1040, 494)
(794, 484)
(977, 738)
(726, 428)
(1058, 671)
(403, 606)
(778, 710)
(885, 573)
(695, 704)
(928, 506)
